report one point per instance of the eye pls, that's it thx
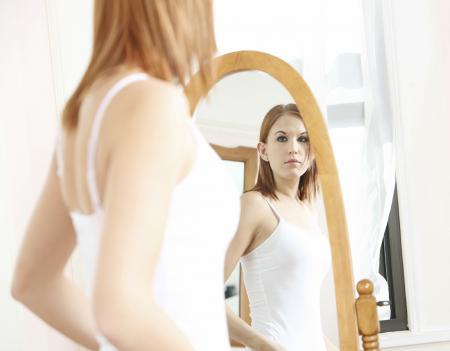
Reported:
(303, 139)
(281, 138)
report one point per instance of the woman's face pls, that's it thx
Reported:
(287, 148)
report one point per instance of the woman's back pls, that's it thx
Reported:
(202, 211)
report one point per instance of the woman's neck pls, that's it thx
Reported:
(288, 189)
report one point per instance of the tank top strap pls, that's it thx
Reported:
(95, 131)
(277, 215)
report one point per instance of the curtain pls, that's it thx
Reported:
(378, 155)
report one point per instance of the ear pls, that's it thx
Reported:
(261, 147)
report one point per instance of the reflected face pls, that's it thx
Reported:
(287, 148)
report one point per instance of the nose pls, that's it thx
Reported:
(293, 147)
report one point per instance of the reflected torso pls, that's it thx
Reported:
(202, 219)
(283, 276)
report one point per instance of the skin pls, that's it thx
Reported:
(287, 140)
(131, 135)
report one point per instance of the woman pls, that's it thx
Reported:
(137, 191)
(283, 254)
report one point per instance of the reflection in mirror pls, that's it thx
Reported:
(285, 256)
(236, 170)
(241, 162)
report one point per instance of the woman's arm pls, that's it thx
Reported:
(238, 329)
(151, 152)
(39, 282)
(142, 174)
(241, 332)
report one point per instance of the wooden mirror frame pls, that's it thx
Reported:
(286, 75)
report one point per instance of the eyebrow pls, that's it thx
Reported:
(280, 131)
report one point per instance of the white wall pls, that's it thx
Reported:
(32, 88)
(421, 73)
(28, 120)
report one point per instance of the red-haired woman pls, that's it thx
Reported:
(134, 185)
(283, 254)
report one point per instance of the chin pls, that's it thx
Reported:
(293, 175)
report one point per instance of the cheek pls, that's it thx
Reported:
(275, 153)
(307, 152)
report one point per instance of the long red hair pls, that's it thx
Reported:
(165, 38)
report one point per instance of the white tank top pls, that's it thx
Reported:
(283, 277)
(203, 217)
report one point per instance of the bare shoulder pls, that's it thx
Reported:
(156, 100)
(151, 109)
(254, 206)
(249, 224)
(257, 215)
(253, 198)
(148, 119)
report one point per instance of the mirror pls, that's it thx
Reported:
(230, 118)
(236, 169)
(241, 162)
(352, 316)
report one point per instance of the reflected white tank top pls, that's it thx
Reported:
(283, 278)
(202, 219)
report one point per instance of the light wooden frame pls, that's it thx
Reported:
(337, 227)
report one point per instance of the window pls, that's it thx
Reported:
(391, 267)
(347, 133)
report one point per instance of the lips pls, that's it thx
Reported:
(293, 161)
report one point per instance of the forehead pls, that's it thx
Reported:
(289, 124)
